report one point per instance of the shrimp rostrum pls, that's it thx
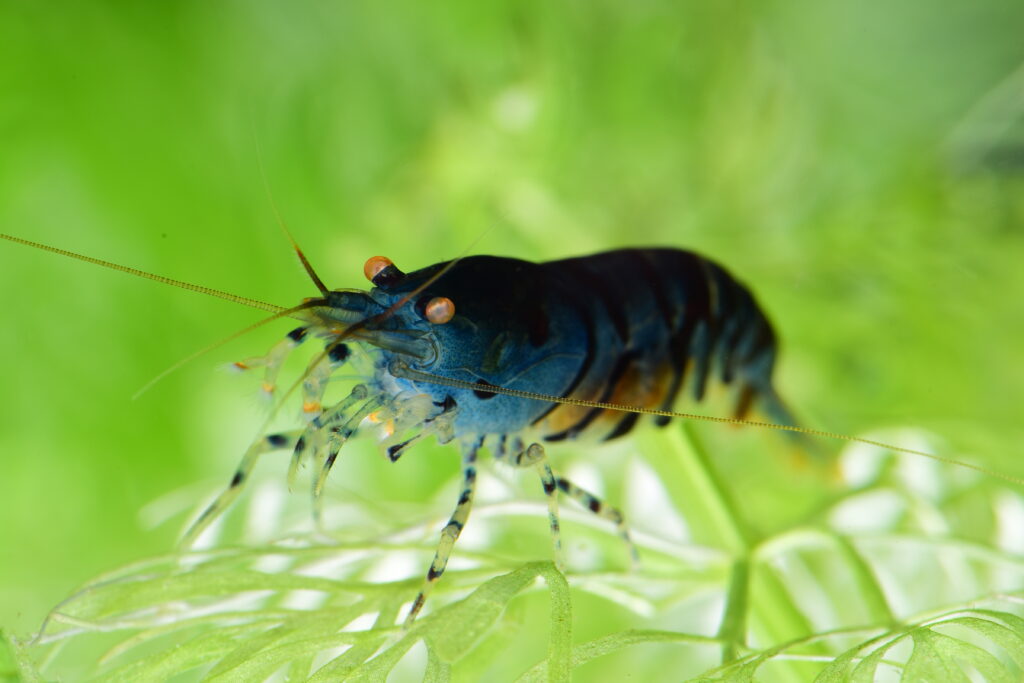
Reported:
(494, 351)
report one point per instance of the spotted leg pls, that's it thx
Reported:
(336, 438)
(451, 531)
(271, 442)
(439, 424)
(601, 509)
(313, 437)
(534, 456)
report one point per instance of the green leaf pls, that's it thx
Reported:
(866, 669)
(15, 665)
(839, 669)
(454, 630)
(437, 671)
(200, 650)
(273, 645)
(342, 665)
(599, 647)
(938, 657)
(1010, 637)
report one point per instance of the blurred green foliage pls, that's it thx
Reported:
(860, 165)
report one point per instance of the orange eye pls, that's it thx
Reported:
(374, 265)
(439, 310)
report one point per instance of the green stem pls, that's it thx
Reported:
(755, 597)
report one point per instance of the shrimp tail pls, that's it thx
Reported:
(775, 410)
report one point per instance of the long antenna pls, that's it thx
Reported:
(227, 296)
(401, 369)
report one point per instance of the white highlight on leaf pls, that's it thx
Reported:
(877, 510)
(648, 504)
(264, 514)
(1009, 511)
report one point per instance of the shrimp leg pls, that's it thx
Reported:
(451, 531)
(312, 436)
(271, 442)
(601, 509)
(272, 361)
(534, 456)
(336, 438)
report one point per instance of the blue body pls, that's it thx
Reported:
(629, 326)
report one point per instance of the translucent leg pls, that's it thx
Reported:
(312, 439)
(316, 377)
(336, 438)
(534, 456)
(272, 361)
(271, 442)
(451, 531)
(601, 509)
(440, 424)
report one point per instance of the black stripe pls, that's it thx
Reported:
(736, 313)
(689, 289)
(480, 393)
(645, 266)
(588, 358)
(649, 268)
(702, 355)
(652, 278)
(338, 352)
(624, 426)
(745, 334)
(395, 450)
(702, 360)
(614, 303)
(625, 360)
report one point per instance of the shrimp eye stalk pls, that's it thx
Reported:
(382, 272)
(374, 265)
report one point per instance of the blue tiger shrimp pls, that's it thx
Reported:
(510, 355)
(453, 343)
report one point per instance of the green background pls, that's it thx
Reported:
(859, 165)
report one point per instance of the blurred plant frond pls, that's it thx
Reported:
(905, 572)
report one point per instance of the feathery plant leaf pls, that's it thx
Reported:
(883, 581)
(15, 663)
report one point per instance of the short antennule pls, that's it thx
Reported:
(284, 227)
(306, 264)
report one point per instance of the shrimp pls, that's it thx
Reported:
(510, 355)
(454, 341)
